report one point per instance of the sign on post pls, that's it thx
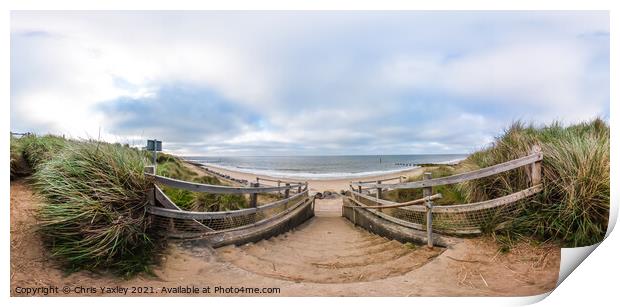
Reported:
(154, 146)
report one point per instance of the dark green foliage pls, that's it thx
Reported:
(218, 202)
(173, 167)
(232, 202)
(451, 194)
(170, 166)
(208, 180)
(182, 198)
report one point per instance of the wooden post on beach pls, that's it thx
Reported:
(299, 188)
(254, 196)
(257, 183)
(426, 192)
(535, 172)
(306, 187)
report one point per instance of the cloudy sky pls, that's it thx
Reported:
(270, 83)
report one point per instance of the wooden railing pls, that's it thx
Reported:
(533, 160)
(281, 183)
(459, 213)
(195, 223)
(219, 189)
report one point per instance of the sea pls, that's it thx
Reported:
(324, 167)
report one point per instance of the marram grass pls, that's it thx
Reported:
(94, 217)
(38, 149)
(29, 151)
(574, 206)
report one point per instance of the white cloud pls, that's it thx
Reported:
(337, 82)
(546, 77)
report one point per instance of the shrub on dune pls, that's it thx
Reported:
(95, 215)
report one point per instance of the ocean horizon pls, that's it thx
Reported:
(324, 166)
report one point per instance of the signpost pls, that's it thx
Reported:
(154, 146)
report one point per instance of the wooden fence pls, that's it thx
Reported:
(452, 219)
(179, 223)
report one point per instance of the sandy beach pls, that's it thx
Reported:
(320, 185)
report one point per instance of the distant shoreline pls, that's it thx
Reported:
(311, 176)
(315, 185)
(315, 169)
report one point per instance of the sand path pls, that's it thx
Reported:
(326, 256)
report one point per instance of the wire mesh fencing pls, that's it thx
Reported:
(183, 224)
(453, 219)
(463, 222)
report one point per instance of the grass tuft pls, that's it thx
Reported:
(173, 167)
(95, 217)
(29, 151)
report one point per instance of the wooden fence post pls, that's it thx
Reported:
(535, 168)
(379, 192)
(288, 190)
(254, 196)
(299, 188)
(150, 195)
(149, 169)
(154, 159)
(426, 192)
(279, 191)
(152, 199)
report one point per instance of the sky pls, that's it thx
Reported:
(305, 83)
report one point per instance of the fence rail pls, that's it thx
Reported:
(452, 219)
(477, 174)
(400, 178)
(178, 223)
(198, 215)
(384, 204)
(218, 189)
(278, 180)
